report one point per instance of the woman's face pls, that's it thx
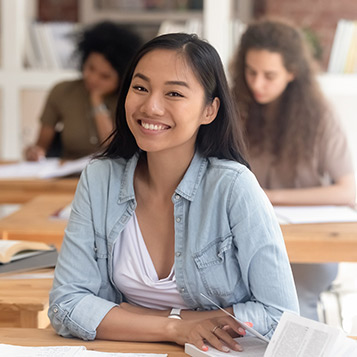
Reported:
(266, 75)
(99, 75)
(165, 104)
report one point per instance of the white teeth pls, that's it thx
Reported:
(154, 127)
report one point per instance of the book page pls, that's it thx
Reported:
(314, 214)
(51, 351)
(11, 250)
(64, 351)
(88, 353)
(300, 337)
(6, 244)
(252, 347)
(344, 347)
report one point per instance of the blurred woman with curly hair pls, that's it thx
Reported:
(297, 149)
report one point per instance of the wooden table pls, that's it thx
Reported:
(33, 220)
(47, 337)
(321, 242)
(21, 191)
(305, 243)
(24, 301)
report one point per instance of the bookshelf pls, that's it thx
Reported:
(341, 93)
(215, 16)
(16, 15)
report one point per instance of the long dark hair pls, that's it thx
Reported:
(222, 138)
(302, 110)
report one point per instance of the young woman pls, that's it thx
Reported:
(170, 211)
(85, 108)
(297, 149)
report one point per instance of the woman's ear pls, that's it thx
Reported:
(211, 111)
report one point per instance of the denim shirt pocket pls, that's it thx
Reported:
(101, 256)
(218, 266)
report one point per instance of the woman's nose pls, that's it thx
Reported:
(153, 105)
(257, 83)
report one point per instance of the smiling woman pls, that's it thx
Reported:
(166, 105)
(169, 211)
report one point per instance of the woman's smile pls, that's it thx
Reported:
(152, 126)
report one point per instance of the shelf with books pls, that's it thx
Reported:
(341, 93)
(343, 57)
(146, 17)
(15, 20)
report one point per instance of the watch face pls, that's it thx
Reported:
(177, 317)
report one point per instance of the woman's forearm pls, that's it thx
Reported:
(342, 192)
(185, 314)
(121, 324)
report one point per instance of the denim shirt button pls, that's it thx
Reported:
(55, 310)
(177, 197)
(178, 219)
(182, 290)
(178, 254)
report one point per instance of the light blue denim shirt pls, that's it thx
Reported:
(228, 245)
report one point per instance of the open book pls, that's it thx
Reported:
(295, 336)
(11, 250)
(17, 255)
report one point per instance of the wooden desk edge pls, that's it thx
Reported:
(48, 337)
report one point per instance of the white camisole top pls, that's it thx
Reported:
(135, 276)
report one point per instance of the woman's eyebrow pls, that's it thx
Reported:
(145, 78)
(178, 83)
(142, 76)
(270, 72)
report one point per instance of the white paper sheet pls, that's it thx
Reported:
(295, 336)
(47, 168)
(64, 351)
(314, 214)
(301, 337)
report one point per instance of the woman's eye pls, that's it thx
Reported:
(139, 88)
(270, 78)
(174, 94)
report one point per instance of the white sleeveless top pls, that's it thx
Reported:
(135, 276)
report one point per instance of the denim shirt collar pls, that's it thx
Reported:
(187, 188)
(126, 192)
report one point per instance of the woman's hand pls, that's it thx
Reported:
(216, 331)
(34, 153)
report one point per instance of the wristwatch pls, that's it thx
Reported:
(101, 109)
(175, 314)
